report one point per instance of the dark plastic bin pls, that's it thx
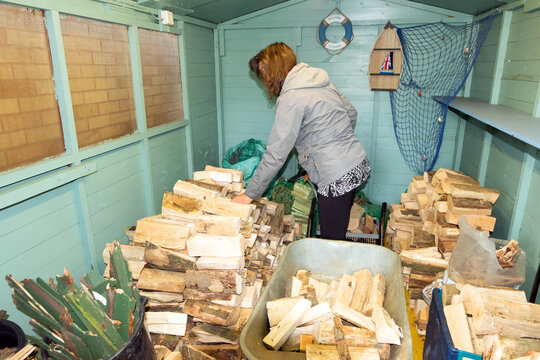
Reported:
(139, 345)
(11, 335)
(438, 344)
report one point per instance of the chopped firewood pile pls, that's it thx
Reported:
(360, 222)
(424, 229)
(326, 317)
(497, 323)
(203, 262)
(430, 209)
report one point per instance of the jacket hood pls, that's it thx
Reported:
(304, 76)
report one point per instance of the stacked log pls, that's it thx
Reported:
(423, 227)
(430, 209)
(204, 261)
(497, 323)
(310, 318)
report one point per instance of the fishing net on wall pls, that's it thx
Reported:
(437, 60)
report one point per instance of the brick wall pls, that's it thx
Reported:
(99, 69)
(30, 127)
(160, 62)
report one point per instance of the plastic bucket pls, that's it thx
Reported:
(11, 335)
(331, 258)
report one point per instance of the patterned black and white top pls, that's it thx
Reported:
(347, 182)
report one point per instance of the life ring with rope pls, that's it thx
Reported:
(333, 18)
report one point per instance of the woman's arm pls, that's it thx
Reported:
(287, 123)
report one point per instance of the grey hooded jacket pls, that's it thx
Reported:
(313, 116)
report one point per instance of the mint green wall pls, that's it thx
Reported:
(68, 226)
(247, 112)
(509, 163)
(201, 82)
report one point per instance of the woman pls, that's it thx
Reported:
(313, 116)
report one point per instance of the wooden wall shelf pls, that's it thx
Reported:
(516, 123)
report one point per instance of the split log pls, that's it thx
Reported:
(345, 290)
(481, 222)
(180, 207)
(162, 297)
(293, 341)
(469, 206)
(330, 352)
(323, 332)
(220, 263)
(215, 281)
(229, 299)
(427, 260)
(376, 294)
(189, 189)
(237, 175)
(471, 192)
(161, 280)
(356, 214)
(212, 313)
(171, 323)
(192, 353)
(386, 329)
(353, 316)
(166, 259)
(216, 245)
(217, 176)
(211, 334)
(225, 207)
(494, 315)
(221, 351)
(316, 313)
(279, 334)
(217, 188)
(364, 279)
(218, 225)
(130, 252)
(134, 266)
(458, 326)
(320, 287)
(174, 355)
(279, 308)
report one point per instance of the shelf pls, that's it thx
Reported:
(516, 123)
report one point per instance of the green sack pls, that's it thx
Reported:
(246, 157)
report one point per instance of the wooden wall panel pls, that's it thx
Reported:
(528, 236)
(521, 67)
(482, 76)
(115, 196)
(503, 172)
(39, 238)
(168, 158)
(201, 83)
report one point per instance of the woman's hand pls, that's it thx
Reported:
(242, 199)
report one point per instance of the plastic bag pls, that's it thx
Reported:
(245, 156)
(473, 260)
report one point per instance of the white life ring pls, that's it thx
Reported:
(333, 18)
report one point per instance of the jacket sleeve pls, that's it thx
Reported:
(351, 111)
(287, 123)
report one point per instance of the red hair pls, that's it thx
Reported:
(276, 60)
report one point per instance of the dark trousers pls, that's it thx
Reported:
(334, 214)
